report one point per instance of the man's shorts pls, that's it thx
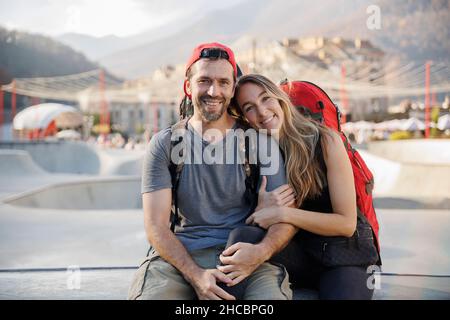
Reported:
(158, 280)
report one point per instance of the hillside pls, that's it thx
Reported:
(416, 30)
(30, 55)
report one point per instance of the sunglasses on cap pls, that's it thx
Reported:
(214, 53)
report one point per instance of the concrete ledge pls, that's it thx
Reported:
(112, 284)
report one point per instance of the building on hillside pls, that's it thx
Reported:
(332, 63)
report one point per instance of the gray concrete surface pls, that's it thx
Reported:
(16, 163)
(114, 284)
(428, 182)
(413, 241)
(103, 193)
(418, 151)
(59, 220)
(77, 157)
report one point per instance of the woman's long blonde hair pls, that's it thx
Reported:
(299, 137)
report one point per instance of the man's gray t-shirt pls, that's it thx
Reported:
(210, 196)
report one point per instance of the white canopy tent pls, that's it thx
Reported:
(413, 124)
(68, 135)
(444, 122)
(41, 115)
(390, 125)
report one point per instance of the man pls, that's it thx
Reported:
(184, 263)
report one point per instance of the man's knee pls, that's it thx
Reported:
(269, 282)
(158, 280)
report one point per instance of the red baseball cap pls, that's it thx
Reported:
(202, 51)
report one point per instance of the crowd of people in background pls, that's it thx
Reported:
(119, 141)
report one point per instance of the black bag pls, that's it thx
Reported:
(358, 250)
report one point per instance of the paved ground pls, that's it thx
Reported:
(413, 242)
(91, 234)
(113, 285)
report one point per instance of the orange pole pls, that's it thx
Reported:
(427, 99)
(343, 95)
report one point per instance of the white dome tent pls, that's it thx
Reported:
(413, 124)
(41, 116)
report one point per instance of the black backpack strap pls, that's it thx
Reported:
(251, 179)
(175, 169)
(252, 170)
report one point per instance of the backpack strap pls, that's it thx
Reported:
(252, 170)
(175, 169)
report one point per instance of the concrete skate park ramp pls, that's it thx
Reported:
(26, 184)
(413, 151)
(15, 163)
(79, 158)
(114, 193)
(414, 169)
(46, 227)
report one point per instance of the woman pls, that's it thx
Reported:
(321, 176)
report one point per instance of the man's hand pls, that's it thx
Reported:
(267, 217)
(205, 285)
(240, 260)
(283, 196)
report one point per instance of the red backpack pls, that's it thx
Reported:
(313, 102)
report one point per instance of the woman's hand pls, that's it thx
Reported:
(266, 217)
(282, 196)
(240, 260)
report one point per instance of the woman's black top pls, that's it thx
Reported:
(322, 202)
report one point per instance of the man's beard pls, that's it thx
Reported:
(210, 116)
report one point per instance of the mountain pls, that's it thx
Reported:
(174, 49)
(411, 29)
(96, 48)
(93, 47)
(30, 55)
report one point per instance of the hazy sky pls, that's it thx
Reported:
(98, 17)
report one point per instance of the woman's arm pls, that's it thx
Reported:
(341, 222)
